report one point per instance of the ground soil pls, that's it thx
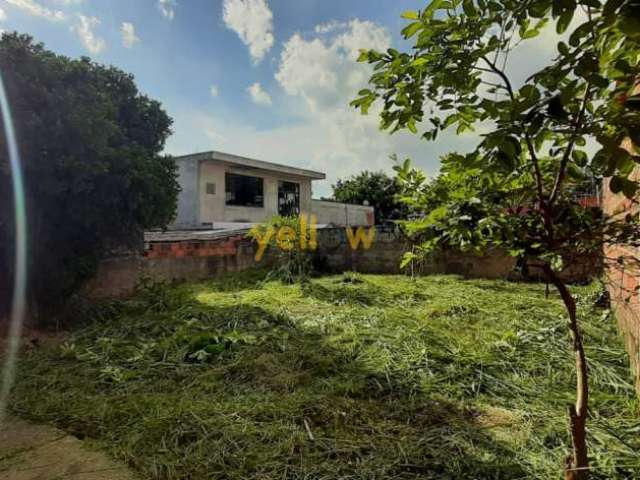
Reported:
(38, 452)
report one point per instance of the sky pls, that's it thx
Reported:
(268, 79)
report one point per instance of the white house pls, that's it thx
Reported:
(219, 188)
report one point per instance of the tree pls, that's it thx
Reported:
(513, 190)
(377, 188)
(94, 174)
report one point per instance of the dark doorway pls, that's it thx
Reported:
(288, 199)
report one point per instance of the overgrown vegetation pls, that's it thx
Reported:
(289, 242)
(91, 150)
(350, 376)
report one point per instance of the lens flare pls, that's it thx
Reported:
(20, 272)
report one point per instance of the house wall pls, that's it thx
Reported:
(197, 207)
(342, 214)
(188, 201)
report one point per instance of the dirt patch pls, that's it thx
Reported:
(38, 452)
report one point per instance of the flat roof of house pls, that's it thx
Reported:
(251, 164)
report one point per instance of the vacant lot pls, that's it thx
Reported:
(358, 377)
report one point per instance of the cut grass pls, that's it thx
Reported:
(345, 377)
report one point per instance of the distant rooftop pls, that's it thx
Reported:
(251, 163)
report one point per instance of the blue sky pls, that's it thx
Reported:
(270, 79)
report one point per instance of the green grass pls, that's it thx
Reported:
(345, 377)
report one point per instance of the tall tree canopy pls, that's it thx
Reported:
(376, 188)
(515, 189)
(94, 173)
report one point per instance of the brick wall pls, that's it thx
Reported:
(172, 260)
(623, 276)
(623, 272)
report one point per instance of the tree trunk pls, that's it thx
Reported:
(577, 464)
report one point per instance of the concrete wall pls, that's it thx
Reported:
(188, 199)
(197, 207)
(386, 252)
(342, 214)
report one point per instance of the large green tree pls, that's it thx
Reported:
(377, 188)
(514, 189)
(94, 174)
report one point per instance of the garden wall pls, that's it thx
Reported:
(194, 256)
(623, 276)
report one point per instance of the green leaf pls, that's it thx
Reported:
(410, 15)
(624, 162)
(530, 34)
(411, 29)
(575, 172)
(450, 120)
(616, 184)
(469, 8)
(407, 259)
(529, 92)
(563, 48)
(364, 56)
(564, 21)
(579, 157)
(582, 31)
(623, 185)
(411, 125)
(418, 62)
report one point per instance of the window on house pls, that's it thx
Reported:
(211, 188)
(244, 191)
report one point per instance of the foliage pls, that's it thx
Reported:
(432, 378)
(377, 188)
(291, 258)
(513, 190)
(457, 69)
(91, 148)
(466, 209)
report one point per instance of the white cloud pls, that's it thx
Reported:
(323, 71)
(3, 15)
(128, 32)
(214, 91)
(84, 30)
(69, 3)
(321, 74)
(252, 20)
(331, 26)
(167, 8)
(258, 95)
(35, 9)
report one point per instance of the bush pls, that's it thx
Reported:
(95, 177)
